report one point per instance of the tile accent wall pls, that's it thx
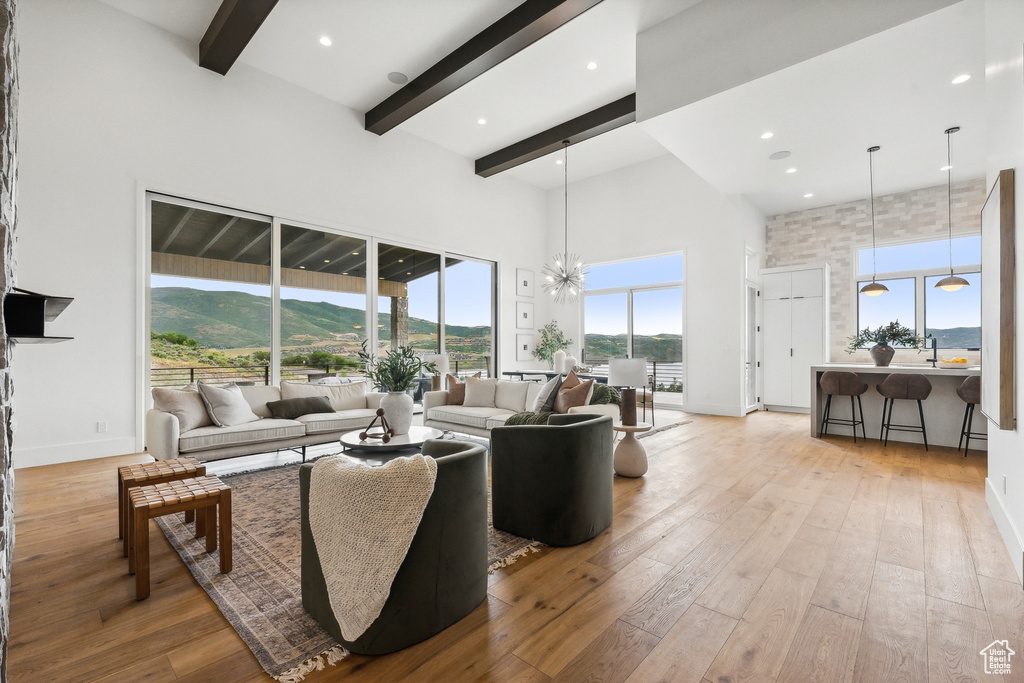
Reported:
(833, 234)
(8, 199)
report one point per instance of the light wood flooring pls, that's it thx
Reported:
(749, 552)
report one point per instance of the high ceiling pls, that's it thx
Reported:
(892, 89)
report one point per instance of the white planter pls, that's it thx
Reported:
(558, 361)
(397, 407)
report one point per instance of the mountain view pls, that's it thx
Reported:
(238, 323)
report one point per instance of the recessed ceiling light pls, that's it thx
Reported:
(779, 155)
(790, 170)
(408, 273)
(591, 66)
(327, 260)
(808, 195)
(558, 161)
(344, 273)
(481, 121)
(302, 267)
(401, 260)
(355, 253)
(946, 168)
(325, 41)
(398, 78)
(767, 134)
(962, 78)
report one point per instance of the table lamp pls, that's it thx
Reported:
(441, 360)
(628, 374)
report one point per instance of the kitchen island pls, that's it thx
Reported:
(943, 410)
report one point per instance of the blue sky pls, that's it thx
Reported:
(943, 309)
(654, 311)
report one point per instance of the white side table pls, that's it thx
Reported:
(630, 456)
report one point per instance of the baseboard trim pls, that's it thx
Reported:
(1007, 529)
(70, 452)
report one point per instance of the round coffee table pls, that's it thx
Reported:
(414, 439)
(630, 456)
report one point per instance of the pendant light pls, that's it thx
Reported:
(564, 278)
(953, 282)
(873, 288)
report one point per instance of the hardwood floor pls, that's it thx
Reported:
(749, 552)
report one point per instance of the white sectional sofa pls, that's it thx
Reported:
(510, 397)
(354, 408)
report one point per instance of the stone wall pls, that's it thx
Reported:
(834, 234)
(8, 216)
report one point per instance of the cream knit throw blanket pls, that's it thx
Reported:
(363, 520)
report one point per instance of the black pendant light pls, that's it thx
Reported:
(873, 288)
(952, 282)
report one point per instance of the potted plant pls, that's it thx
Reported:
(882, 352)
(552, 339)
(395, 372)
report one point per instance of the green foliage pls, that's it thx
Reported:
(175, 338)
(396, 369)
(316, 359)
(551, 339)
(892, 334)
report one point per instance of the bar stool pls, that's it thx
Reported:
(841, 383)
(970, 392)
(905, 387)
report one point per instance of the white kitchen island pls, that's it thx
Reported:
(943, 410)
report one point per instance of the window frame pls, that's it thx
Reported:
(919, 275)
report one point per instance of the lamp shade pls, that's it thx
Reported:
(441, 359)
(627, 372)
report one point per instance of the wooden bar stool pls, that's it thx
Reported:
(206, 496)
(153, 473)
(903, 387)
(842, 383)
(970, 392)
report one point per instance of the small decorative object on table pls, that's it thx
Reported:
(882, 352)
(395, 372)
(384, 435)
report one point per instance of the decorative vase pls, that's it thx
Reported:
(397, 407)
(558, 361)
(882, 354)
(570, 364)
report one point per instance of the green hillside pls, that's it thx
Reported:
(666, 348)
(228, 320)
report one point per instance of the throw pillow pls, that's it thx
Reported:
(574, 396)
(480, 392)
(528, 418)
(342, 396)
(184, 404)
(291, 408)
(226, 405)
(511, 395)
(604, 394)
(545, 401)
(456, 390)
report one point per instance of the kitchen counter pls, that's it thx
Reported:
(943, 409)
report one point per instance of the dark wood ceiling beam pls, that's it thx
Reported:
(526, 24)
(234, 25)
(589, 125)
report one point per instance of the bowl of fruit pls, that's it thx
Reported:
(951, 363)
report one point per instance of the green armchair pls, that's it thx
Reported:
(553, 483)
(444, 575)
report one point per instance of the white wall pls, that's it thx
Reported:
(657, 207)
(1004, 104)
(111, 106)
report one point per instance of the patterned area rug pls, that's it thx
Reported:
(261, 597)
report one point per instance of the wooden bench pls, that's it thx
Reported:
(153, 473)
(207, 496)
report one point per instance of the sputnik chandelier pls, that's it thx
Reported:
(564, 279)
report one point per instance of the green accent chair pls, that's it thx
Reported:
(553, 483)
(444, 575)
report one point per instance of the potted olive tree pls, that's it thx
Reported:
(883, 338)
(395, 372)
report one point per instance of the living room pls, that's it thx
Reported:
(113, 107)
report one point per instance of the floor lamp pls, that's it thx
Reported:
(628, 373)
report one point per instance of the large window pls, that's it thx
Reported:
(222, 309)
(635, 309)
(910, 271)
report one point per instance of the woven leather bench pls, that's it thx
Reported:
(207, 496)
(153, 473)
